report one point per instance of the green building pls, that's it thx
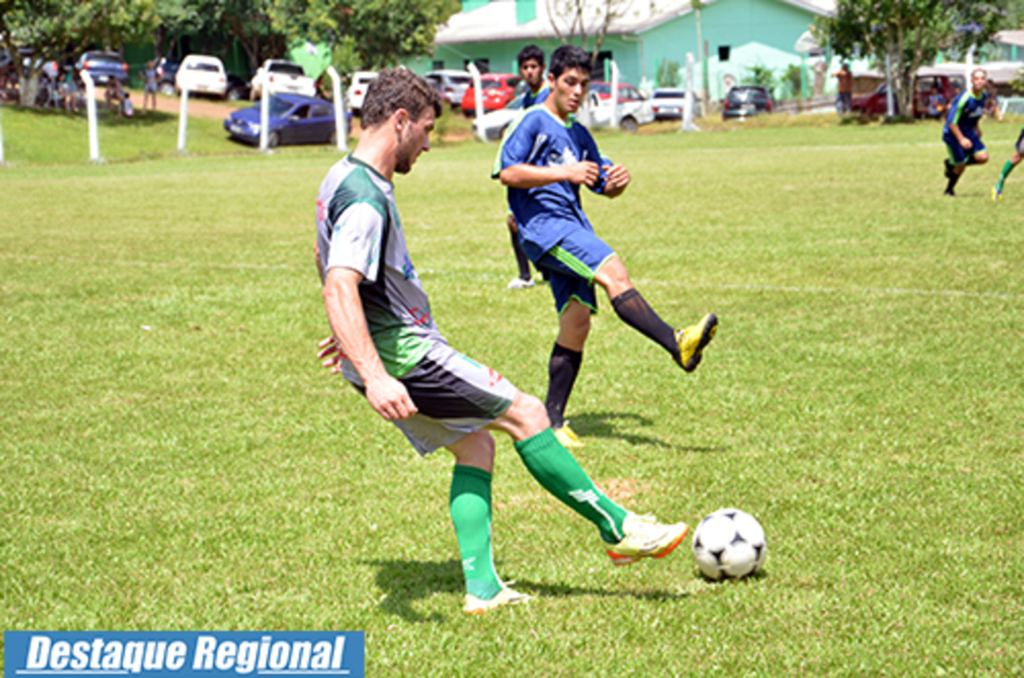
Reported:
(740, 35)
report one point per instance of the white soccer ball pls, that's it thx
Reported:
(729, 543)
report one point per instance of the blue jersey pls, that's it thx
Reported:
(532, 99)
(965, 111)
(546, 214)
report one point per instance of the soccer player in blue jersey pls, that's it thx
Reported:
(387, 344)
(545, 157)
(531, 68)
(961, 132)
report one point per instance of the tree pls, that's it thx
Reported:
(909, 32)
(583, 19)
(58, 30)
(367, 34)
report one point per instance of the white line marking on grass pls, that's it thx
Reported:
(895, 291)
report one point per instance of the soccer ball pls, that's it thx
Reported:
(729, 543)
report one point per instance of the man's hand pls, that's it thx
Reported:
(966, 143)
(583, 172)
(390, 398)
(330, 354)
(616, 180)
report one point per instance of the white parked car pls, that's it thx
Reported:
(491, 126)
(282, 77)
(202, 74)
(357, 89)
(668, 103)
(633, 110)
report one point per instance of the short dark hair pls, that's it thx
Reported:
(530, 52)
(396, 88)
(568, 57)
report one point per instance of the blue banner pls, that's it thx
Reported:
(184, 654)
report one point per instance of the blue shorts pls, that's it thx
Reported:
(571, 266)
(958, 155)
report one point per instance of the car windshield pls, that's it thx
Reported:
(278, 107)
(103, 58)
(291, 69)
(202, 66)
(669, 94)
(601, 88)
(460, 79)
(516, 103)
(745, 95)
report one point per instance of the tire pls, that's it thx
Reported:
(235, 94)
(628, 125)
(166, 88)
(333, 139)
(273, 139)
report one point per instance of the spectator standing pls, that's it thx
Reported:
(148, 76)
(844, 98)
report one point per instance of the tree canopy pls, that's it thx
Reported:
(909, 32)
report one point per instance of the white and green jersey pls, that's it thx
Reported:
(358, 228)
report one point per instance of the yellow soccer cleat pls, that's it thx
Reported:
(694, 339)
(646, 538)
(997, 194)
(567, 436)
(506, 596)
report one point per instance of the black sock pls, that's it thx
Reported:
(521, 259)
(635, 312)
(952, 181)
(562, 370)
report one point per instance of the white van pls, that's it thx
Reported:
(202, 74)
(357, 90)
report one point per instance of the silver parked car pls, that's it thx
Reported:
(451, 85)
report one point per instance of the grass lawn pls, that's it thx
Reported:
(174, 458)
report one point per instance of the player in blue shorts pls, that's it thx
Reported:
(531, 68)
(387, 344)
(545, 157)
(961, 132)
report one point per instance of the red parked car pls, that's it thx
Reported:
(498, 90)
(875, 103)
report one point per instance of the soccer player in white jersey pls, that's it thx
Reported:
(387, 344)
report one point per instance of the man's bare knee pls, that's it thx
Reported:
(476, 450)
(525, 417)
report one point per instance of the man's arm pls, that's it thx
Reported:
(532, 176)
(964, 141)
(345, 313)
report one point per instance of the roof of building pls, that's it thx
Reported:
(496, 21)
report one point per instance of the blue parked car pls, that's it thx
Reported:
(293, 119)
(103, 66)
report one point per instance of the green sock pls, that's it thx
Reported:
(559, 473)
(470, 506)
(1007, 168)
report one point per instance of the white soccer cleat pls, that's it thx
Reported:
(519, 284)
(646, 538)
(506, 596)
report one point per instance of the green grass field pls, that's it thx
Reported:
(174, 458)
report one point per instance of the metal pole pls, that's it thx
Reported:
(478, 96)
(615, 94)
(264, 113)
(182, 120)
(889, 108)
(688, 125)
(340, 128)
(704, 66)
(90, 112)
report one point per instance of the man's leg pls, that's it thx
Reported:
(997, 190)
(469, 502)
(522, 261)
(628, 537)
(685, 346)
(564, 364)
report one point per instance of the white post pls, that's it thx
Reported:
(478, 95)
(889, 107)
(615, 94)
(340, 129)
(688, 125)
(182, 120)
(264, 113)
(90, 111)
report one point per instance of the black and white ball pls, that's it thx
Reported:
(729, 543)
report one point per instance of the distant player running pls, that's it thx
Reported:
(386, 343)
(1018, 153)
(531, 67)
(544, 159)
(961, 132)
